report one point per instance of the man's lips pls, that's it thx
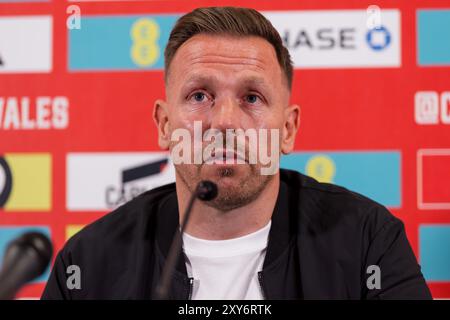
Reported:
(222, 156)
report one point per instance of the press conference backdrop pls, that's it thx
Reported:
(78, 81)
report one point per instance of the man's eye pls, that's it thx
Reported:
(251, 98)
(198, 97)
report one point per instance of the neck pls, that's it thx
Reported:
(212, 224)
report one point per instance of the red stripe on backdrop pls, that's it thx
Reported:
(440, 290)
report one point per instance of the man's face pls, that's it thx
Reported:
(227, 83)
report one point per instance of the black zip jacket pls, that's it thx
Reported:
(322, 240)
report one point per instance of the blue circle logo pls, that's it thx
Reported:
(378, 38)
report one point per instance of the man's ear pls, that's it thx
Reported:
(291, 126)
(160, 116)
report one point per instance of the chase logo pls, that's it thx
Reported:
(119, 43)
(373, 174)
(340, 38)
(25, 182)
(378, 38)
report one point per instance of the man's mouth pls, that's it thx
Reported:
(223, 156)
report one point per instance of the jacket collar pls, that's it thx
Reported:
(281, 233)
(167, 227)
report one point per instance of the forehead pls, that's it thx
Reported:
(216, 56)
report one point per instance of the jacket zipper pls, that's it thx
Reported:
(191, 288)
(260, 280)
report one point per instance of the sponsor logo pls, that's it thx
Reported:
(26, 44)
(430, 109)
(374, 174)
(103, 181)
(119, 42)
(25, 182)
(45, 113)
(339, 38)
(327, 38)
(378, 38)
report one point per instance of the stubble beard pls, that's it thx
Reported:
(234, 191)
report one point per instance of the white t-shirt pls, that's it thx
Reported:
(226, 269)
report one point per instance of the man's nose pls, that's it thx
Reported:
(226, 114)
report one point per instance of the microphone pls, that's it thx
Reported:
(205, 191)
(25, 258)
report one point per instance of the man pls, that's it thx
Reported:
(276, 235)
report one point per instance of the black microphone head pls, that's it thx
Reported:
(39, 242)
(35, 242)
(206, 190)
(26, 258)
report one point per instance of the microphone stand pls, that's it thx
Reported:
(206, 190)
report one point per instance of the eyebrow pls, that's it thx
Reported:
(255, 81)
(208, 79)
(200, 78)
